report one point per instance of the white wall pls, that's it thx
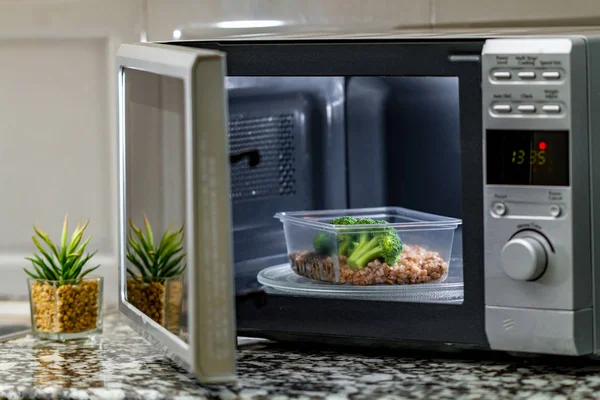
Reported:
(58, 125)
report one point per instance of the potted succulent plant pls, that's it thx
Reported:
(66, 302)
(156, 288)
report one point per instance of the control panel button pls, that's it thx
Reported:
(551, 75)
(526, 75)
(524, 258)
(502, 75)
(555, 210)
(526, 108)
(499, 209)
(502, 108)
(551, 108)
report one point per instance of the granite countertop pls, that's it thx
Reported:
(121, 365)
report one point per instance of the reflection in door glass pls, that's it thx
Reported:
(155, 198)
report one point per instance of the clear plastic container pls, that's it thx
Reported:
(425, 258)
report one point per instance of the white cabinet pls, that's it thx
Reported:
(165, 16)
(195, 16)
(58, 125)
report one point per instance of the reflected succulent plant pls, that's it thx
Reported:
(155, 261)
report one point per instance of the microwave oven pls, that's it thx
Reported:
(497, 130)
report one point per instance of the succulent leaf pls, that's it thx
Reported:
(65, 261)
(149, 232)
(44, 236)
(63, 238)
(154, 259)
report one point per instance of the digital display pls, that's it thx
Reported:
(527, 158)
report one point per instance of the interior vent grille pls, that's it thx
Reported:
(273, 137)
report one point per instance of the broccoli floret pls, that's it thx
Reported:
(380, 222)
(346, 244)
(385, 246)
(368, 233)
(365, 235)
(345, 240)
(364, 221)
(324, 243)
(349, 242)
(344, 221)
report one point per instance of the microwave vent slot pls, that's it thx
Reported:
(273, 137)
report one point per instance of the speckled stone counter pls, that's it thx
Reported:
(121, 365)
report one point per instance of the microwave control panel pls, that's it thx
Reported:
(536, 200)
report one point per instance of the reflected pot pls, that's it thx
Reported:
(63, 364)
(65, 310)
(159, 298)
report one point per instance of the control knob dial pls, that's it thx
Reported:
(524, 257)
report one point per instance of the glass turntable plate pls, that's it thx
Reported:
(281, 278)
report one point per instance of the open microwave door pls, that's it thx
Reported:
(176, 284)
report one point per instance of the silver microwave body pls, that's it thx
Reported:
(526, 137)
(542, 300)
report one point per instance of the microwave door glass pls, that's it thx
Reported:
(156, 274)
(176, 277)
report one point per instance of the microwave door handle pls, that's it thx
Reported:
(252, 155)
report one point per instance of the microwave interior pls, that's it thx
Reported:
(335, 143)
(331, 127)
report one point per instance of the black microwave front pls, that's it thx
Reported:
(459, 143)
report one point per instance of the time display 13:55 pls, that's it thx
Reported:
(536, 157)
